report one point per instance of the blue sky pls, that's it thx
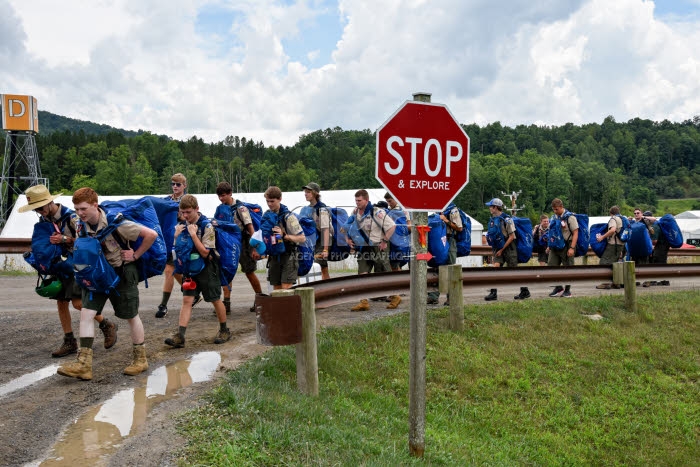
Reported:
(273, 70)
(683, 8)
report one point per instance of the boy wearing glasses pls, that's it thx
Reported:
(41, 201)
(178, 183)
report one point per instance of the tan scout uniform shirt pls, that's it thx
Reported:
(128, 230)
(374, 226)
(322, 219)
(242, 218)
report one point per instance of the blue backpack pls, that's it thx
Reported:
(437, 241)
(625, 231)
(494, 233)
(639, 241)
(49, 259)
(523, 235)
(556, 236)
(188, 261)
(598, 247)
(670, 229)
(228, 247)
(274, 246)
(463, 238)
(339, 248)
(92, 270)
(400, 241)
(142, 211)
(523, 238)
(255, 211)
(306, 249)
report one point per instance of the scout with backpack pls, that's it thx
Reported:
(438, 244)
(339, 249)
(276, 246)
(52, 262)
(92, 270)
(556, 239)
(189, 262)
(496, 238)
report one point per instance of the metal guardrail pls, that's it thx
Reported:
(350, 288)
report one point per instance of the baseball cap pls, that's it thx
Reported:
(495, 202)
(648, 214)
(313, 186)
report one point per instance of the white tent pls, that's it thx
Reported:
(688, 215)
(21, 225)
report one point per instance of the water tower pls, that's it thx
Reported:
(20, 167)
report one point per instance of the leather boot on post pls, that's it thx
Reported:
(395, 301)
(362, 306)
(69, 346)
(493, 295)
(139, 364)
(524, 293)
(81, 369)
(109, 330)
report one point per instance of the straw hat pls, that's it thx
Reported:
(37, 196)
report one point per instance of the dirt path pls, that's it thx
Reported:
(35, 417)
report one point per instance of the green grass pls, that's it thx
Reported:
(677, 206)
(533, 383)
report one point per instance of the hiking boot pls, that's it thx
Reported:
(493, 295)
(177, 341)
(664, 283)
(432, 300)
(524, 293)
(109, 330)
(362, 306)
(558, 290)
(395, 300)
(604, 286)
(162, 311)
(252, 309)
(139, 364)
(81, 368)
(69, 346)
(227, 306)
(197, 299)
(566, 294)
(222, 336)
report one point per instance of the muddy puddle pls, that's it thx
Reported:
(97, 434)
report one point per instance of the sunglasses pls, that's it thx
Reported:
(175, 183)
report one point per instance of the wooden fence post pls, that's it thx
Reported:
(630, 278)
(307, 350)
(455, 292)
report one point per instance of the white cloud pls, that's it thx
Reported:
(149, 65)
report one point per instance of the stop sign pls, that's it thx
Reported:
(422, 156)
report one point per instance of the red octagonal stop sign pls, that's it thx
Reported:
(422, 156)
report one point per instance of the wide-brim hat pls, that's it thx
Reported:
(37, 196)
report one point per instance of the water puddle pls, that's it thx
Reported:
(27, 380)
(94, 437)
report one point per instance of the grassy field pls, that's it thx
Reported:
(537, 383)
(676, 206)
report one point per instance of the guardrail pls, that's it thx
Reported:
(351, 288)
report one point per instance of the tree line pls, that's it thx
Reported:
(590, 167)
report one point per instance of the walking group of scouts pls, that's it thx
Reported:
(367, 233)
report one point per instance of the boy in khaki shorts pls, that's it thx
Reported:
(125, 299)
(207, 281)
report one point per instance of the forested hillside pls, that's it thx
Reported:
(590, 167)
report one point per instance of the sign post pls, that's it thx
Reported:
(423, 161)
